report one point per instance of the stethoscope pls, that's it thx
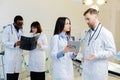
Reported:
(91, 37)
(18, 35)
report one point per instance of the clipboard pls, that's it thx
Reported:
(75, 45)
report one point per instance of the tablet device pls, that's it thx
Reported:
(75, 45)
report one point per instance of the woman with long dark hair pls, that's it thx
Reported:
(61, 52)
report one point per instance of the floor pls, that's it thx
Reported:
(25, 75)
(77, 76)
(48, 77)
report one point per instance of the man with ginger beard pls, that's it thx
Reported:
(98, 46)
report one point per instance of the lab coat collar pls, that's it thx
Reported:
(94, 29)
(16, 27)
(63, 35)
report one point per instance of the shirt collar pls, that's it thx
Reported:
(17, 28)
(63, 35)
(93, 29)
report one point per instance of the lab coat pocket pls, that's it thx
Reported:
(97, 46)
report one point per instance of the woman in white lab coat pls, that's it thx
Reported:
(60, 51)
(37, 56)
(98, 46)
(13, 54)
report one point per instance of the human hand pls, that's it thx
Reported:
(67, 49)
(17, 43)
(76, 53)
(92, 56)
(39, 44)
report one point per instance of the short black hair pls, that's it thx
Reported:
(60, 23)
(18, 17)
(37, 25)
(91, 11)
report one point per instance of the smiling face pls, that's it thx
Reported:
(67, 26)
(34, 30)
(19, 23)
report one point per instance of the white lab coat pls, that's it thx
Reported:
(62, 67)
(103, 47)
(37, 56)
(13, 55)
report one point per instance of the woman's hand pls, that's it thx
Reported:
(67, 49)
(39, 45)
(76, 53)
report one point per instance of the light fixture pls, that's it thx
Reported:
(100, 2)
(87, 2)
(90, 2)
(94, 3)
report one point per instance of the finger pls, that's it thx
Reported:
(91, 58)
(82, 59)
(67, 45)
(70, 46)
(85, 59)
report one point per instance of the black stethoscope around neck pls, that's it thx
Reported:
(91, 37)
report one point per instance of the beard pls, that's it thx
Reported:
(91, 26)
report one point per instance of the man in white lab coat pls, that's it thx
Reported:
(98, 46)
(13, 54)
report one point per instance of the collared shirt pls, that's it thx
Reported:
(61, 54)
(17, 28)
(64, 36)
(94, 29)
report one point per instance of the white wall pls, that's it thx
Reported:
(47, 11)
